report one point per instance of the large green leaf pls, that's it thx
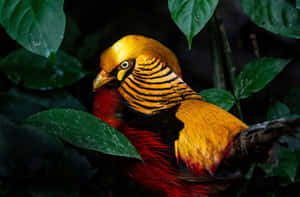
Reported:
(257, 74)
(191, 15)
(38, 25)
(278, 16)
(37, 72)
(18, 104)
(219, 97)
(84, 130)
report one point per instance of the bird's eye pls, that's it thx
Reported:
(124, 65)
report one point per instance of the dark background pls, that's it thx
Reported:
(100, 24)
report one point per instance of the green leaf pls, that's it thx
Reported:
(292, 142)
(298, 4)
(84, 130)
(256, 75)
(219, 97)
(250, 172)
(18, 104)
(278, 16)
(278, 110)
(191, 15)
(37, 72)
(288, 163)
(37, 25)
(287, 166)
(292, 100)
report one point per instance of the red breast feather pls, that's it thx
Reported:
(155, 172)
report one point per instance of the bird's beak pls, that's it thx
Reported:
(102, 78)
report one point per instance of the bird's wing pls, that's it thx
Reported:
(207, 131)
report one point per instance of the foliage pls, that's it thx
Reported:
(94, 135)
(30, 24)
(279, 16)
(220, 97)
(45, 131)
(256, 75)
(48, 74)
(191, 15)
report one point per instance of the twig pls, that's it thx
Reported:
(226, 48)
(216, 55)
(222, 55)
(255, 45)
(258, 139)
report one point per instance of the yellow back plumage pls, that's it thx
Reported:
(207, 131)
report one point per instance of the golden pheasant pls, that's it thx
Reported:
(147, 100)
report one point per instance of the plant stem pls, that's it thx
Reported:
(239, 109)
(226, 48)
(222, 56)
(255, 45)
(216, 55)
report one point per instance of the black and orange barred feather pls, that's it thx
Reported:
(153, 87)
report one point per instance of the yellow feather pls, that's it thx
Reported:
(207, 131)
(131, 47)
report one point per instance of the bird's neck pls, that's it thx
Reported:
(154, 87)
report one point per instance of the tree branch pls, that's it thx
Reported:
(253, 143)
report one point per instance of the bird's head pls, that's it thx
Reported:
(118, 61)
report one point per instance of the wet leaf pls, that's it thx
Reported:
(219, 97)
(256, 75)
(37, 72)
(278, 16)
(18, 104)
(83, 130)
(191, 15)
(37, 25)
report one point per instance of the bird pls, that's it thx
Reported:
(188, 146)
